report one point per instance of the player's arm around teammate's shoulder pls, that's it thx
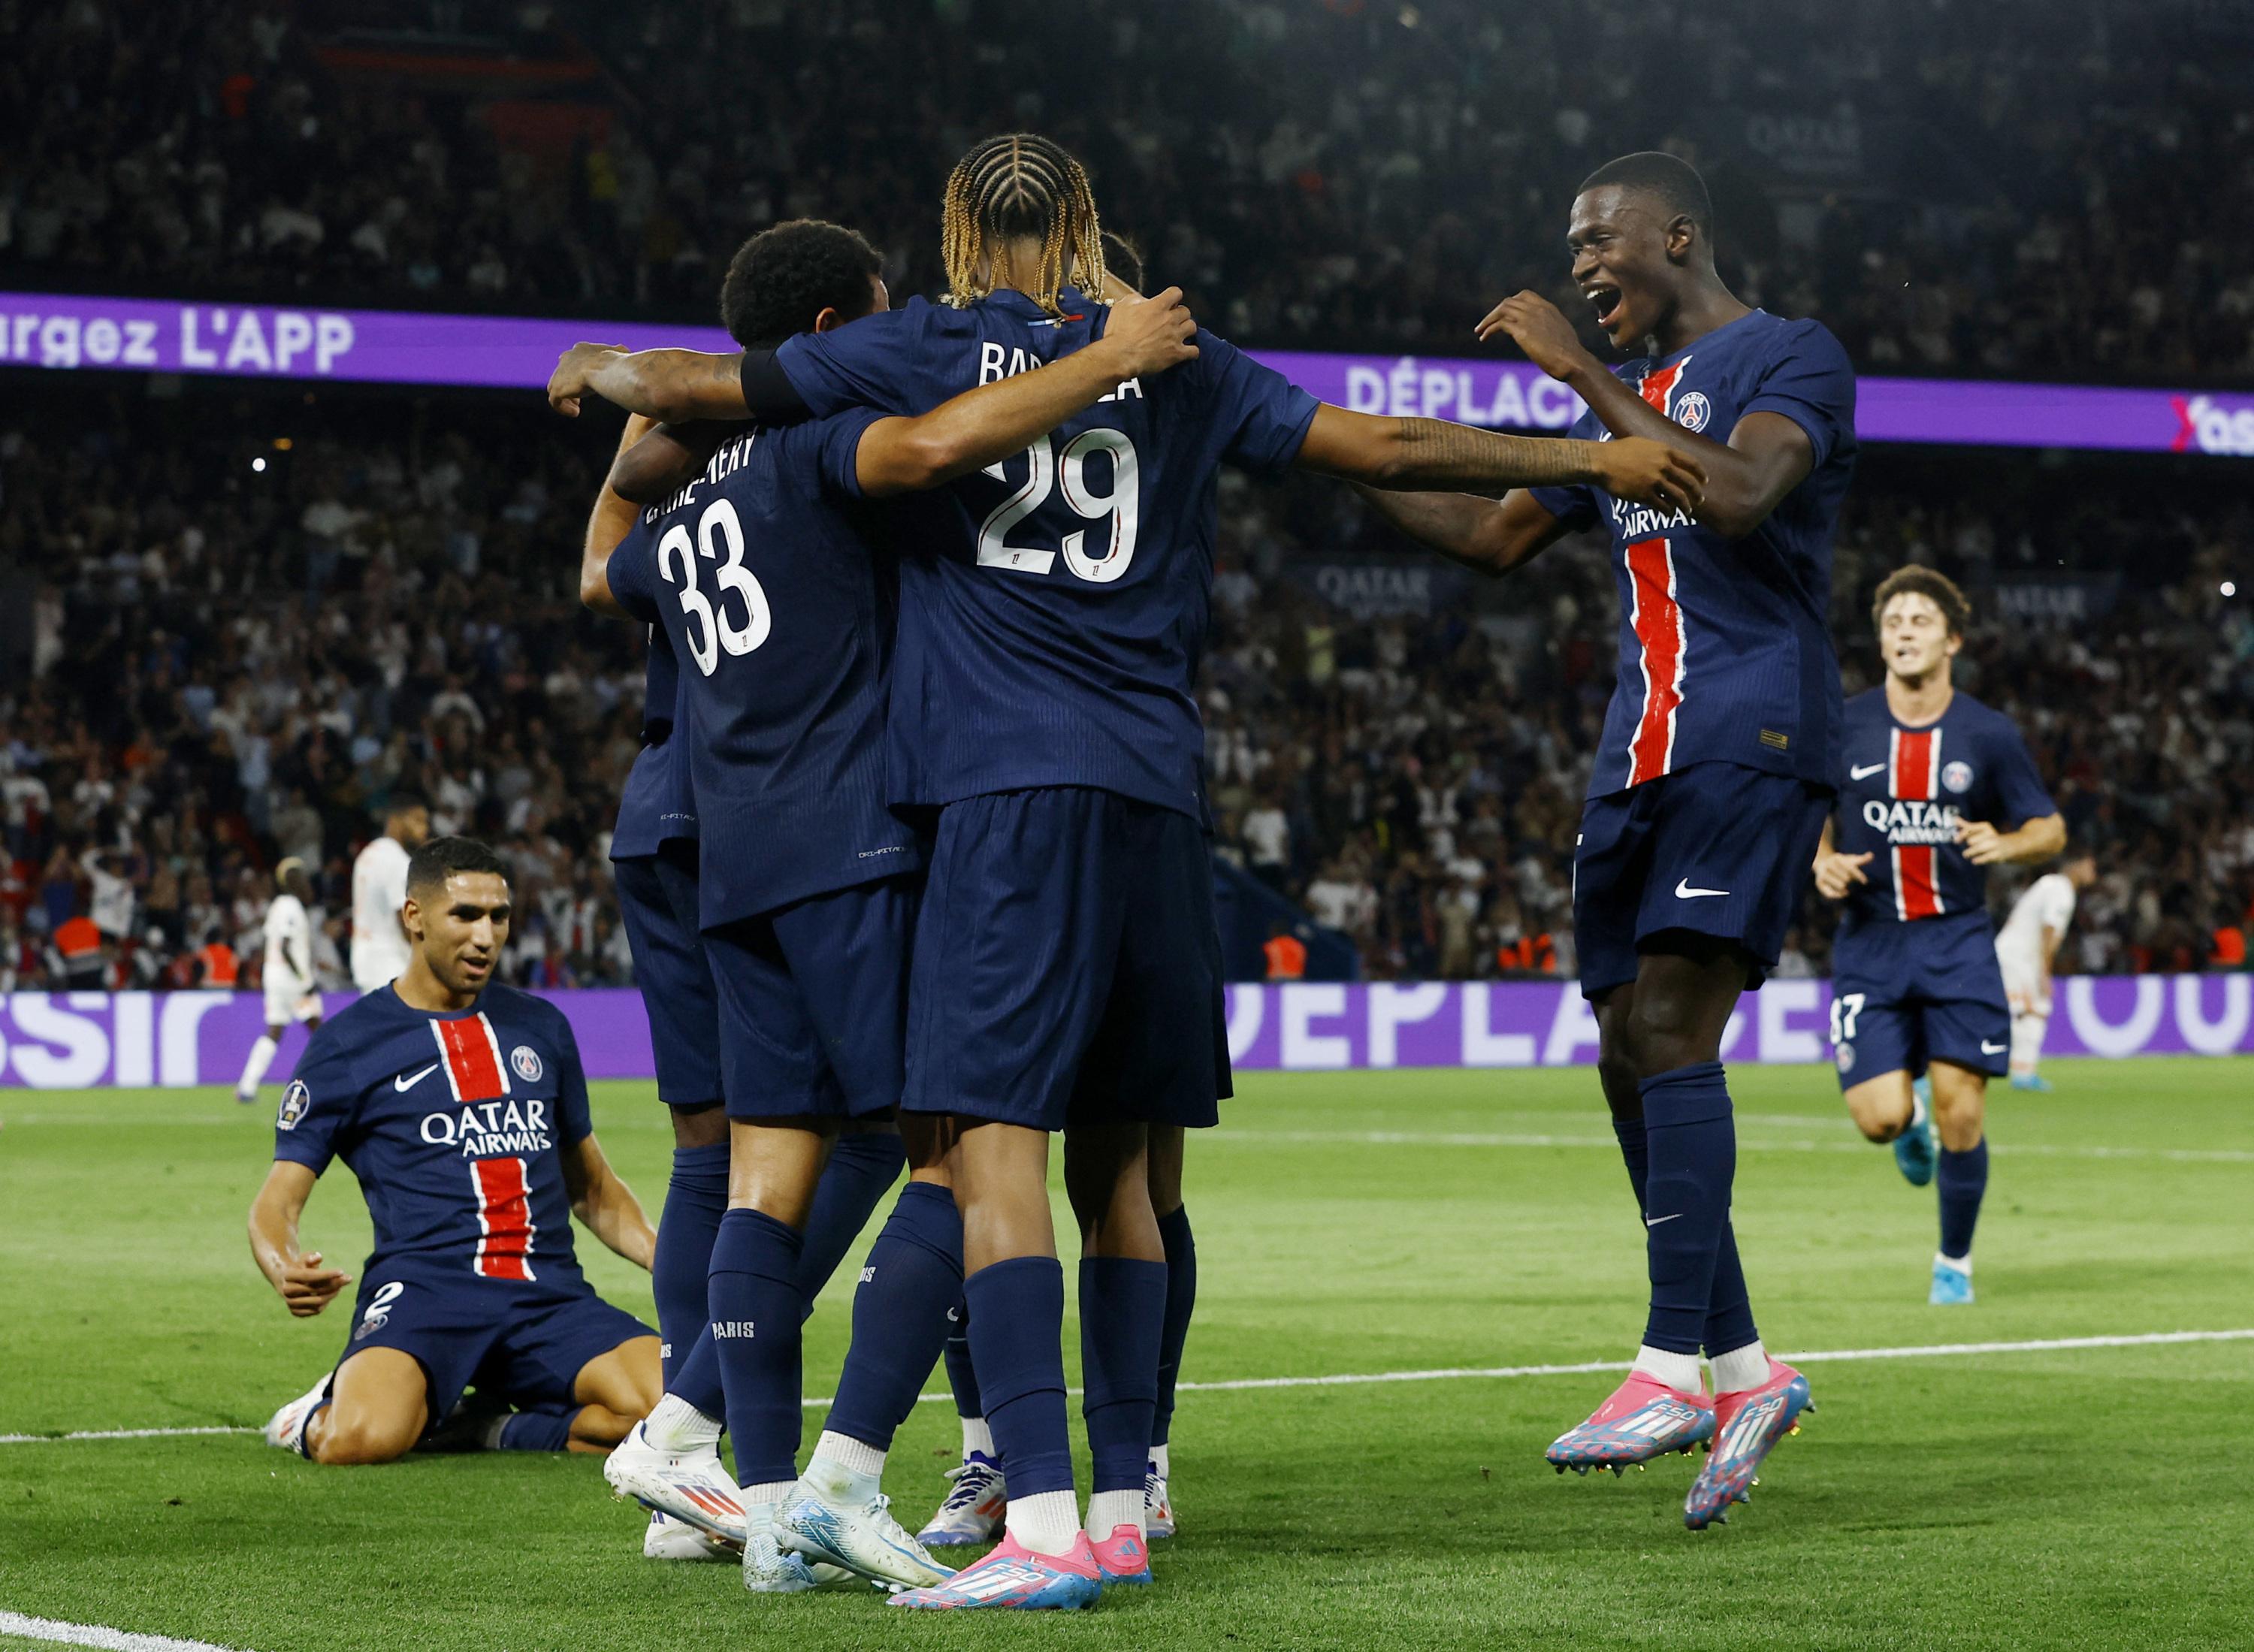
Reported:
(1766, 455)
(670, 386)
(1144, 337)
(298, 1277)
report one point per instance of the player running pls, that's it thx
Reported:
(2026, 947)
(1717, 762)
(1066, 972)
(288, 977)
(810, 883)
(1936, 787)
(459, 1105)
(379, 946)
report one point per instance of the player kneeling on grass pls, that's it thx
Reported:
(461, 1107)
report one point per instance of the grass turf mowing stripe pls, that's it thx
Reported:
(53, 1629)
(1357, 1379)
(1479, 1138)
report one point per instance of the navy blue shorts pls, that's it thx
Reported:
(657, 900)
(526, 1343)
(1907, 994)
(1715, 849)
(814, 1003)
(1067, 966)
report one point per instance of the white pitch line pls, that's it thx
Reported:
(1746, 1144)
(95, 1634)
(1441, 1374)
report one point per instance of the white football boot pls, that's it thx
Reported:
(286, 1428)
(691, 1487)
(665, 1538)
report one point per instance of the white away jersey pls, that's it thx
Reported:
(379, 945)
(2046, 904)
(289, 947)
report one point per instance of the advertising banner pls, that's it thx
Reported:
(79, 1040)
(62, 332)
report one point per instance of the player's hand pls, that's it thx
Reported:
(1837, 873)
(306, 1287)
(1536, 327)
(1647, 472)
(1150, 335)
(573, 368)
(1982, 844)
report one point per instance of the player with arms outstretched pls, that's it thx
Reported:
(2026, 947)
(1067, 971)
(460, 1106)
(1936, 788)
(1717, 763)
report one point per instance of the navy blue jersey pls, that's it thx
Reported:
(781, 613)
(657, 804)
(1902, 790)
(1724, 653)
(1054, 607)
(453, 1125)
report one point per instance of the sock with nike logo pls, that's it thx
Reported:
(1693, 1161)
(755, 1306)
(1961, 1179)
(1729, 1308)
(912, 1278)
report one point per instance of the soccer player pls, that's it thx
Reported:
(1066, 970)
(1717, 762)
(808, 883)
(2026, 947)
(379, 946)
(288, 977)
(460, 1106)
(1936, 788)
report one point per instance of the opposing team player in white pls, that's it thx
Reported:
(2025, 946)
(378, 944)
(288, 978)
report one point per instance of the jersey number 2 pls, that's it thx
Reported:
(710, 629)
(1047, 474)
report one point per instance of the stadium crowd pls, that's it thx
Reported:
(231, 664)
(2081, 190)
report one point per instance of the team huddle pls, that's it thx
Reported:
(913, 864)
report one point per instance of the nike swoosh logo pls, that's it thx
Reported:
(1862, 769)
(1685, 892)
(408, 1081)
(1653, 1221)
(1987, 1048)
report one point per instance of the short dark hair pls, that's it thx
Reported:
(1669, 178)
(1918, 581)
(781, 278)
(440, 858)
(1122, 258)
(403, 802)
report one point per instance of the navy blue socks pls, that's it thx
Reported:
(1181, 1302)
(542, 1428)
(1017, 1342)
(900, 1315)
(695, 1199)
(1729, 1308)
(863, 1165)
(1961, 1179)
(1693, 1148)
(962, 1376)
(756, 1306)
(1123, 1312)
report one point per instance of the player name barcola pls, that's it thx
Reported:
(1912, 822)
(480, 1128)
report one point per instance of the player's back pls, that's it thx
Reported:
(1054, 607)
(379, 886)
(2047, 903)
(288, 930)
(777, 602)
(453, 1125)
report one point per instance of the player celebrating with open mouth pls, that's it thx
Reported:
(1916, 988)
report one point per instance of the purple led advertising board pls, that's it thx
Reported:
(79, 1040)
(45, 330)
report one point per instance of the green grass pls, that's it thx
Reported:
(2084, 1498)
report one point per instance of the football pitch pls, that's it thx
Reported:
(1449, 1229)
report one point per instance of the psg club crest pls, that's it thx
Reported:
(294, 1100)
(1846, 1058)
(1691, 412)
(1958, 776)
(525, 1062)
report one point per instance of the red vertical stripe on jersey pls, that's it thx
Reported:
(1914, 766)
(1657, 620)
(1656, 387)
(504, 1219)
(473, 1059)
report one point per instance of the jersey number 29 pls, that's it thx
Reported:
(710, 629)
(1070, 474)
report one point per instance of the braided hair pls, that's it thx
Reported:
(1020, 186)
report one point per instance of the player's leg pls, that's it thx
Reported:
(1960, 1106)
(261, 1057)
(1123, 1312)
(977, 1494)
(379, 1403)
(614, 1390)
(2030, 1011)
(1166, 1143)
